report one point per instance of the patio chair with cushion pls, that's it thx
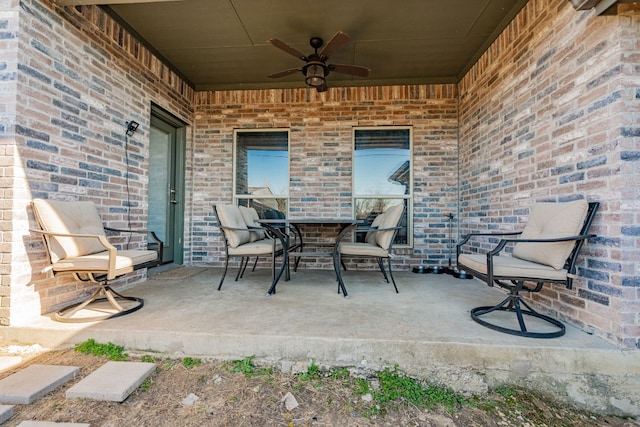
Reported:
(77, 244)
(545, 251)
(244, 239)
(250, 216)
(378, 243)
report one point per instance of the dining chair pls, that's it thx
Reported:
(243, 240)
(378, 243)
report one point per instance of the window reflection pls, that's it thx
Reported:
(262, 170)
(382, 175)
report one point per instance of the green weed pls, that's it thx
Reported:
(361, 387)
(248, 368)
(313, 372)
(112, 351)
(340, 374)
(167, 366)
(189, 362)
(506, 391)
(397, 388)
(146, 384)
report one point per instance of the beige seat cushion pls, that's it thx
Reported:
(511, 267)
(391, 219)
(125, 261)
(230, 216)
(250, 216)
(363, 249)
(69, 217)
(259, 247)
(548, 221)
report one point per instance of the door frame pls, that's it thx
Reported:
(180, 167)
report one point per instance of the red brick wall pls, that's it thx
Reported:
(550, 112)
(78, 79)
(321, 144)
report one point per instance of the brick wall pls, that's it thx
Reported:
(8, 68)
(320, 153)
(79, 79)
(550, 112)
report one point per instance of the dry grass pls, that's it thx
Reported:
(241, 394)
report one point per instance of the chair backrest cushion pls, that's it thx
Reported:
(69, 217)
(250, 216)
(231, 216)
(391, 219)
(370, 237)
(548, 221)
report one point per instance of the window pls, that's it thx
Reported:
(382, 175)
(261, 176)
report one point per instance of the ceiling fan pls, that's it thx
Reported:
(316, 69)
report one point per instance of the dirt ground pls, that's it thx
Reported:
(228, 398)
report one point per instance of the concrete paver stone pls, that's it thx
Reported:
(113, 381)
(50, 424)
(6, 412)
(33, 382)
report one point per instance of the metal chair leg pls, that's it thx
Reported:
(243, 266)
(103, 293)
(337, 260)
(513, 304)
(381, 265)
(391, 274)
(224, 273)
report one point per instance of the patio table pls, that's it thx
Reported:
(313, 249)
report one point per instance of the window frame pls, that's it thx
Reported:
(406, 198)
(238, 197)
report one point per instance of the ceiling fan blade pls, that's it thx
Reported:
(290, 50)
(338, 41)
(284, 73)
(353, 70)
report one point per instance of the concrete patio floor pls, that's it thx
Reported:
(425, 329)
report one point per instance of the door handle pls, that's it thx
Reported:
(173, 197)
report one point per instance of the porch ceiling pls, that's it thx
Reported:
(222, 44)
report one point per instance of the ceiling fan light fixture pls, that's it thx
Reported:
(315, 75)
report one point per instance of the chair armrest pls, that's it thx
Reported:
(503, 242)
(365, 229)
(378, 230)
(224, 227)
(346, 230)
(101, 238)
(278, 234)
(467, 237)
(150, 234)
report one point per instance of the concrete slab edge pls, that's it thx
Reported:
(6, 412)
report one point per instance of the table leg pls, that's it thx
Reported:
(285, 259)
